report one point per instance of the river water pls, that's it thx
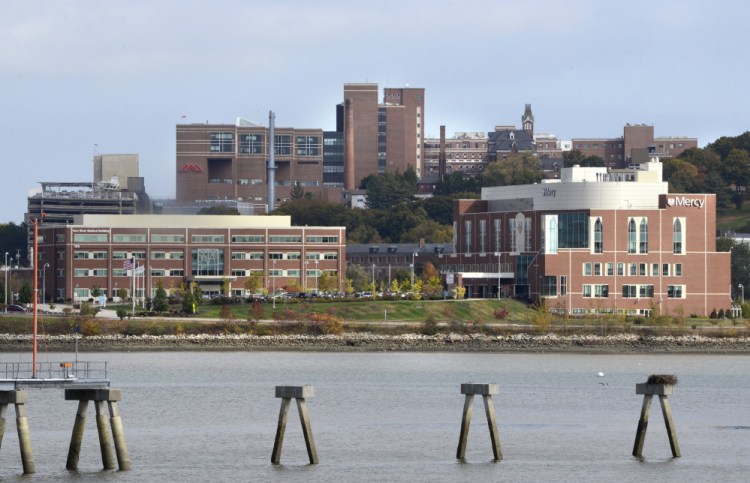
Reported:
(211, 416)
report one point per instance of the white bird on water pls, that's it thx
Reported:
(600, 374)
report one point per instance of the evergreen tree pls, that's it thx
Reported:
(161, 302)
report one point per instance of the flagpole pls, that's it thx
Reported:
(133, 285)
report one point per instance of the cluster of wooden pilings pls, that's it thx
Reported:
(100, 396)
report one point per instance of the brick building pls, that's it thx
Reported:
(181, 249)
(597, 240)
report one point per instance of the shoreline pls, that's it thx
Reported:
(365, 342)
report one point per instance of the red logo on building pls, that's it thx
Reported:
(191, 168)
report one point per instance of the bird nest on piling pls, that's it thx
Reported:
(669, 379)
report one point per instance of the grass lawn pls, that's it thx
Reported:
(733, 219)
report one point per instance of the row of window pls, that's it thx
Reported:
(142, 238)
(519, 229)
(223, 142)
(633, 269)
(633, 291)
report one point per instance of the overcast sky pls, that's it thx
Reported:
(80, 76)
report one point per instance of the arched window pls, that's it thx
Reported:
(598, 236)
(632, 246)
(677, 236)
(644, 236)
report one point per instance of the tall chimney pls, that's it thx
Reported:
(271, 162)
(349, 178)
(441, 155)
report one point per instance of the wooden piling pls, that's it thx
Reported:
(299, 393)
(486, 390)
(118, 436)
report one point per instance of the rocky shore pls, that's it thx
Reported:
(364, 342)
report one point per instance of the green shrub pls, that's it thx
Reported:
(430, 326)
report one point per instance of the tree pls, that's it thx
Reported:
(515, 170)
(456, 182)
(122, 292)
(358, 276)
(256, 311)
(161, 302)
(3, 293)
(740, 260)
(225, 287)
(225, 313)
(572, 157)
(385, 191)
(429, 230)
(218, 210)
(26, 293)
(254, 282)
(328, 282)
(188, 303)
(13, 239)
(96, 290)
(736, 168)
(683, 176)
(297, 192)
(197, 293)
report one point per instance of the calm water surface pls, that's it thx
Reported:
(211, 416)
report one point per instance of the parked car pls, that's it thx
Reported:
(16, 308)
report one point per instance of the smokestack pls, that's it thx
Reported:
(348, 145)
(271, 162)
(441, 155)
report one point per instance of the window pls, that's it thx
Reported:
(601, 290)
(237, 272)
(177, 272)
(597, 269)
(572, 229)
(252, 143)
(157, 272)
(176, 255)
(631, 237)
(275, 256)
(646, 291)
(60, 238)
(248, 238)
(292, 273)
(675, 291)
(598, 236)
(678, 270)
(642, 269)
(158, 255)
(587, 268)
(207, 238)
(207, 262)
(677, 236)
(283, 144)
(633, 269)
(551, 235)
(467, 236)
(131, 238)
(610, 269)
(308, 146)
(654, 269)
(222, 142)
(563, 285)
(238, 255)
(284, 239)
(81, 272)
(322, 239)
(629, 291)
(316, 256)
(61, 255)
(620, 269)
(482, 236)
(644, 236)
(665, 269)
(549, 286)
(167, 238)
(80, 255)
(89, 238)
(119, 272)
(293, 256)
(330, 256)
(119, 255)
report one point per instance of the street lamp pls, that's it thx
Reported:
(44, 283)
(5, 287)
(497, 254)
(742, 288)
(273, 282)
(412, 270)
(316, 275)
(373, 277)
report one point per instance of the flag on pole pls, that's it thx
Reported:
(127, 264)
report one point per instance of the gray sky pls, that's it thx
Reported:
(120, 75)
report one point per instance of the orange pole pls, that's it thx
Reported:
(36, 287)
